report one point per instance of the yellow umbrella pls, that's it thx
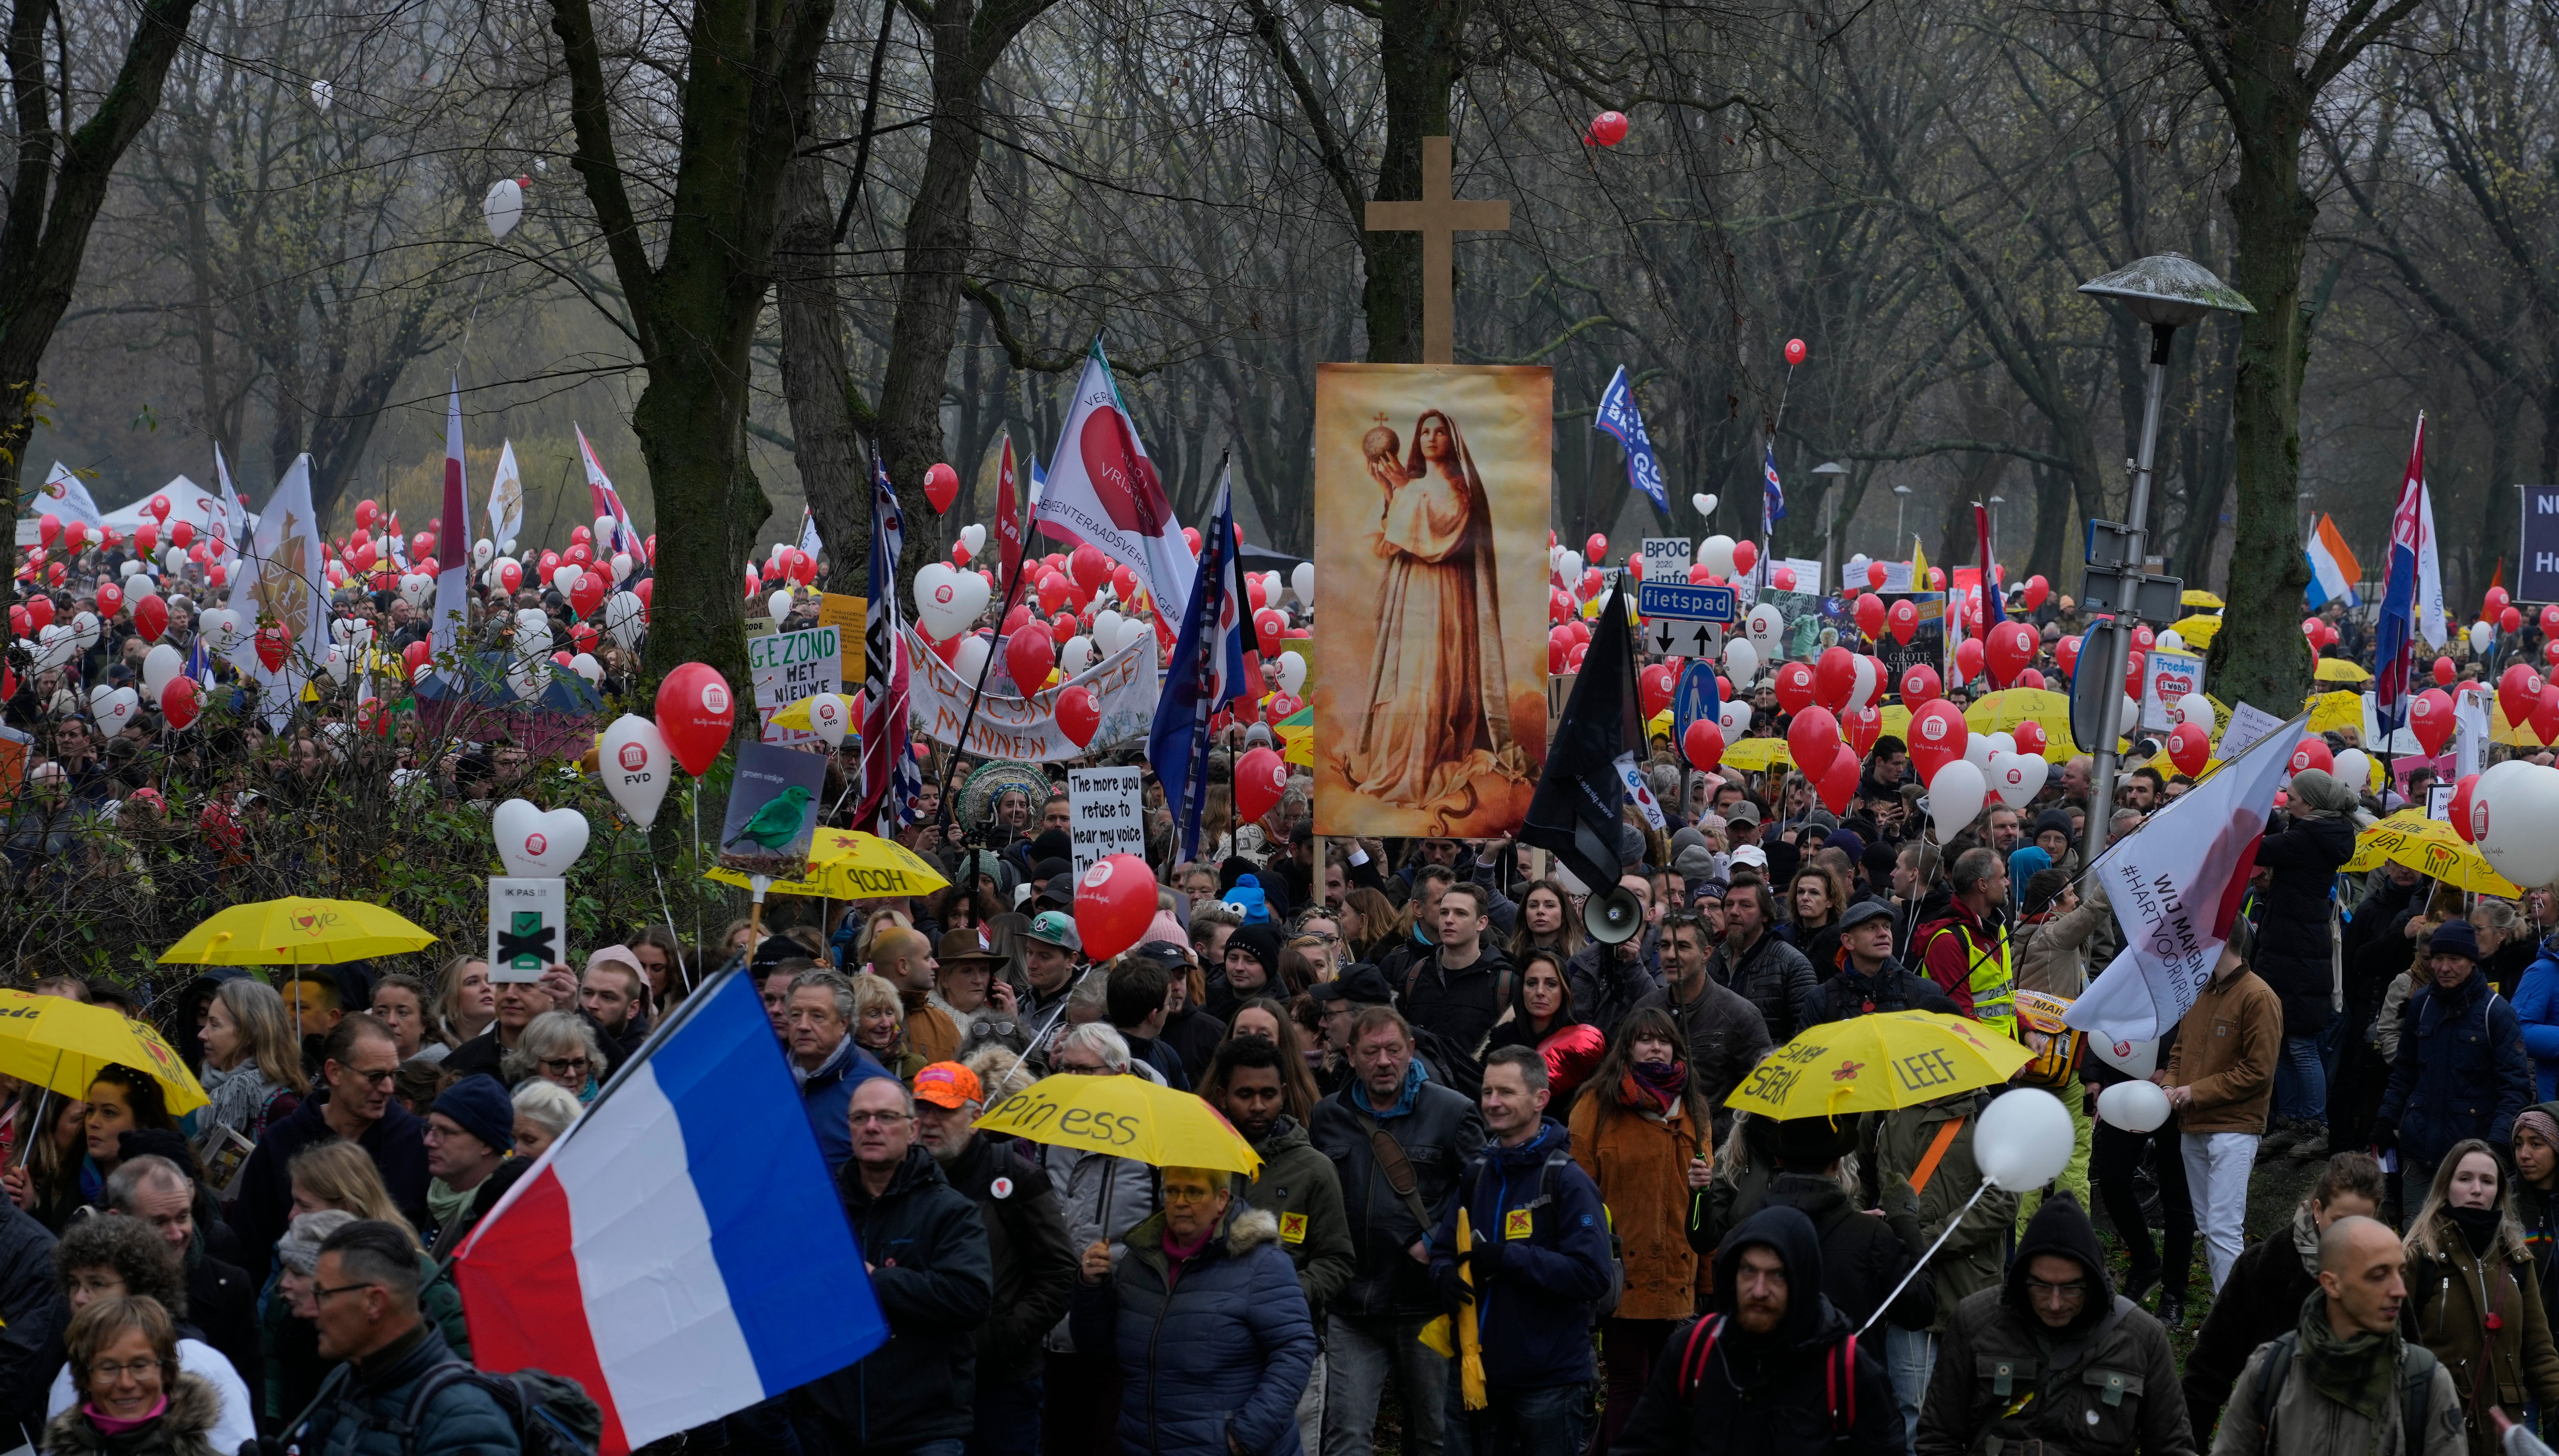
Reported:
(2198, 629)
(2430, 848)
(2334, 710)
(61, 1045)
(2338, 669)
(1126, 1117)
(1757, 754)
(1996, 712)
(852, 864)
(297, 930)
(2502, 730)
(795, 713)
(1870, 1064)
(2197, 596)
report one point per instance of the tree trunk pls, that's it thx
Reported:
(53, 199)
(1418, 59)
(815, 384)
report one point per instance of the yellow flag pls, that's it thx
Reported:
(1918, 566)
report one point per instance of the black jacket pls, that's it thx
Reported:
(1766, 1394)
(1863, 1257)
(1890, 988)
(32, 1316)
(1438, 1133)
(1605, 988)
(1774, 976)
(2261, 1301)
(1459, 1007)
(931, 1274)
(1033, 1268)
(223, 1303)
(264, 1207)
(2293, 919)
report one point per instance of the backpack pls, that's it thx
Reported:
(1550, 1174)
(2416, 1390)
(1839, 1372)
(553, 1414)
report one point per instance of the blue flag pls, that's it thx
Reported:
(1618, 416)
(1205, 674)
(1772, 505)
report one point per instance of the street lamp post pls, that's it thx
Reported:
(1901, 509)
(1834, 473)
(2167, 291)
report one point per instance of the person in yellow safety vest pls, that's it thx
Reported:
(1967, 953)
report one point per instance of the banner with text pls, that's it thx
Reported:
(1107, 813)
(789, 666)
(1125, 685)
(2537, 568)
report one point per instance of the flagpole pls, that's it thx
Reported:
(1003, 609)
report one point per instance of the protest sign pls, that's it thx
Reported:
(527, 927)
(1024, 730)
(772, 811)
(1108, 808)
(2166, 677)
(1668, 558)
(789, 666)
(2247, 725)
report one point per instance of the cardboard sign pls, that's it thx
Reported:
(527, 927)
(1808, 573)
(1668, 558)
(2166, 677)
(2247, 725)
(836, 609)
(1108, 808)
(789, 666)
(773, 809)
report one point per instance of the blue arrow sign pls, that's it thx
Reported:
(1678, 598)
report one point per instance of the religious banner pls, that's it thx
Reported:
(1024, 729)
(1432, 486)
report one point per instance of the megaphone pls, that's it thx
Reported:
(1614, 917)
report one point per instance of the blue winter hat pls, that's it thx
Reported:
(480, 1104)
(2454, 937)
(1247, 899)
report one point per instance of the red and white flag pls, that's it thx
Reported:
(452, 544)
(1008, 524)
(2177, 884)
(1103, 491)
(607, 502)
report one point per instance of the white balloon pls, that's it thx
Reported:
(482, 552)
(1765, 626)
(1704, 503)
(2353, 769)
(1867, 684)
(220, 627)
(2170, 642)
(2135, 1106)
(2514, 821)
(1078, 654)
(1735, 717)
(527, 679)
(2482, 637)
(828, 717)
(508, 545)
(2136, 1060)
(621, 567)
(322, 94)
(625, 619)
(1717, 553)
(2022, 1140)
(1106, 630)
(970, 658)
(2195, 707)
(948, 599)
(1134, 630)
(1741, 660)
(778, 606)
(537, 846)
(633, 761)
(419, 589)
(1976, 751)
(1955, 795)
(131, 568)
(160, 665)
(172, 560)
(2015, 778)
(975, 539)
(503, 208)
(361, 637)
(1292, 671)
(335, 663)
(585, 666)
(85, 625)
(341, 629)
(1572, 569)
(1301, 580)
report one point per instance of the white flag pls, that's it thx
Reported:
(1102, 489)
(505, 501)
(280, 585)
(68, 500)
(2176, 883)
(809, 540)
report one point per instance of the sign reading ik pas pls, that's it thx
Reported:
(1433, 485)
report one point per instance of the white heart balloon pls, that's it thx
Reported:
(564, 577)
(1704, 503)
(221, 630)
(335, 663)
(1976, 751)
(2017, 778)
(633, 761)
(621, 567)
(118, 711)
(1736, 718)
(527, 679)
(86, 626)
(974, 536)
(539, 845)
(830, 717)
(941, 599)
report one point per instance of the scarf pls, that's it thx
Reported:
(1178, 1256)
(2478, 1226)
(239, 1097)
(111, 1426)
(1413, 1076)
(2359, 1372)
(445, 1203)
(1653, 1086)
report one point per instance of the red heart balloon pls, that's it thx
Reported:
(273, 647)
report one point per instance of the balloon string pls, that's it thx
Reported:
(1952, 1225)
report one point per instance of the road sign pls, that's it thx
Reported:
(1667, 558)
(1678, 598)
(1684, 637)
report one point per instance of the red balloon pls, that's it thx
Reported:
(2495, 602)
(1968, 659)
(1607, 128)
(646, 589)
(150, 616)
(160, 508)
(1573, 660)
(1813, 738)
(1794, 684)
(416, 655)
(181, 697)
(1834, 678)
(2545, 713)
(2029, 737)
(695, 712)
(579, 535)
(2430, 718)
(2012, 645)
(146, 538)
(2311, 752)
(1114, 902)
(2509, 621)
(941, 486)
(1559, 644)
(366, 514)
(2445, 672)
(2036, 589)
(2134, 663)
(1052, 593)
(1704, 745)
(1870, 614)
(580, 554)
(1904, 616)
(1260, 778)
(1875, 574)
(2190, 747)
(1919, 684)
(511, 575)
(111, 598)
(1838, 783)
(2030, 677)
(1783, 578)
(1089, 566)
(1079, 717)
(1745, 556)
(1937, 737)
(1936, 578)
(1795, 351)
(1656, 685)
(1597, 548)
(2518, 690)
(1863, 727)
(563, 657)
(1030, 654)
(273, 647)
(2460, 808)
(588, 594)
(1270, 625)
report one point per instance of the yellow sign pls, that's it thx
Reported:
(837, 609)
(1293, 1227)
(1519, 1223)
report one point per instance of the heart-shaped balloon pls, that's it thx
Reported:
(633, 761)
(624, 619)
(2017, 778)
(535, 844)
(974, 537)
(1704, 503)
(221, 630)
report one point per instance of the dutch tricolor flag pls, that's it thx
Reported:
(2334, 570)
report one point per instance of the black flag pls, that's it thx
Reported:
(1577, 809)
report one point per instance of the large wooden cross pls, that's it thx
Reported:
(1438, 217)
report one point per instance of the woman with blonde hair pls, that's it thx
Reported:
(341, 1175)
(134, 1399)
(879, 1026)
(252, 1059)
(2472, 1296)
(466, 1000)
(560, 1047)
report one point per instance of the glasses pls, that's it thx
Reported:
(115, 1371)
(376, 1078)
(1173, 1194)
(563, 1065)
(1072, 1069)
(884, 1119)
(323, 1291)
